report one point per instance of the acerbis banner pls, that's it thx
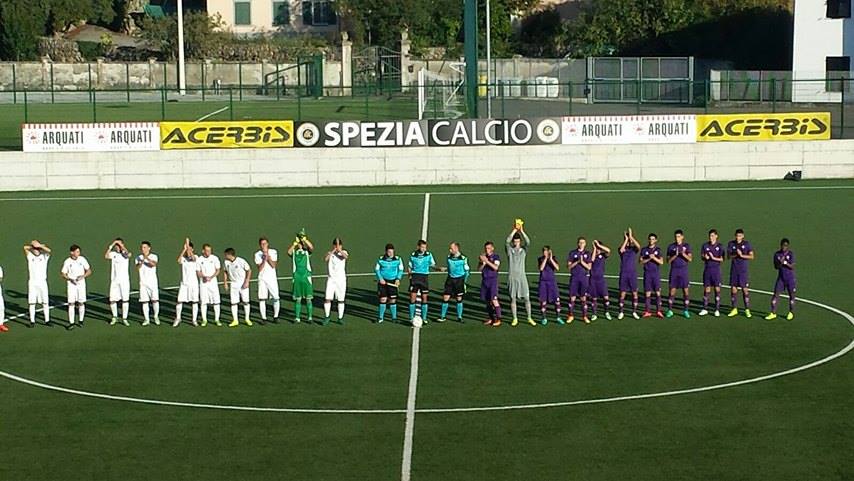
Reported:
(227, 135)
(752, 127)
(429, 133)
(631, 129)
(106, 137)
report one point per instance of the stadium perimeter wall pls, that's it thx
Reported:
(295, 167)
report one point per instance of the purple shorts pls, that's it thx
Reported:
(678, 279)
(785, 284)
(739, 279)
(628, 282)
(651, 283)
(547, 291)
(598, 287)
(711, 277)
(489, 291)
(578, 286)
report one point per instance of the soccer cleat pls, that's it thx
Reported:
(146, 323)
(496, 323)
(195, 324)
(586, 320)
(515, 322)
(560, 321)
(204, 323)
(635, 315)
(487, 322)
(233, 324)
(297, 320)
(594, 317)
(717, 313)
(668, 314)
(646, 314)
(31, 325)
(733, 312)
(125, 322)
(531, 322)
(703, 312)
(325, 321)
(441, 319)
(176, 323)
(113, 321)
(771, 316)
(379, 321)
(544, 321)
(3, 328)
(156, 321)
(747, 313)
(608, 316)
(460, 320)
(686, 314)
(218, 324)
(248, 323)
(620, 316)
(790, 316)
(659, 314)
(570, 318)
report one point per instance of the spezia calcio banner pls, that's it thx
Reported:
(630, 129)
(104, 137)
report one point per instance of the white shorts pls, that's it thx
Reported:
(239, 294)
(336, 289)
(209, 293)
(188, 293)
(120, 291)
(268, 289)
(76, 292)
(148, 293)
(37, 292)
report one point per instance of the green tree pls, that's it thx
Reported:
(201, 34)
(65, 13)
(21, 23)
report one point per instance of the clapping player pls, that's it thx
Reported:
(579, 263)
(650, 258)
(547, 290)
(336, 280)
(741, 253)
(598, 285)
(713, 255)
(300, 251)
(488, 265)
(119, 258)
(188, 290)
(678, 256)
(629, 250)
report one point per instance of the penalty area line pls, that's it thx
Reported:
(207, 116)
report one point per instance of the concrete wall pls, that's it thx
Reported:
(409, 166)
(817, 37)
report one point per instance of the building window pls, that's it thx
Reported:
(838, 74)
(281, 13)
(318, 12)
(242, 13)
(838, 8)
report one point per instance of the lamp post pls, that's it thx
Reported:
(182, 70)
(488, 63)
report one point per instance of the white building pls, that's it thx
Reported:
(822, 52)
(286, 16)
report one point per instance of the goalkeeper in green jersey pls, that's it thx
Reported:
(300, 253)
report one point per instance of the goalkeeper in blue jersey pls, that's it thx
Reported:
(421, 262)
(455, 284)
(389, 271)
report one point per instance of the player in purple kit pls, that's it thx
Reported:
(579, 262)
(488, 267)
(650, 257)
(628, 274)
(678, 256)
(547, 289)
(741, 253)
(784, 262)
(598, 285)
(713, 255)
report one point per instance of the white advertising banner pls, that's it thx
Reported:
(630, 129)
(107, 137)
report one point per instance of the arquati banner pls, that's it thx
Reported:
(631, 129)
(124, 137)
(227, 135)
(429, 133)
(753, 127)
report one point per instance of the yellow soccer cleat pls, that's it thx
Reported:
(204, 323)
(790, 316)
(233, 323)
(248, 323)
(747, 313)
(515, 322)
(771, 316)
(531, 322)
(570, 319)
(733, 312)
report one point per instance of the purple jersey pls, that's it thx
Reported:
(576, 256)
(783, 262)
(739, 264)
(716, 250)
(650, 267)
(679, 262)
(597, 271)
(628, 259)
(490, 275)
(548, 272)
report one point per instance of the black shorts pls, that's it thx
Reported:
(455, 286)
(418, 282)
(388, 290)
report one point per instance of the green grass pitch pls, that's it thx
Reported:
(793, 427)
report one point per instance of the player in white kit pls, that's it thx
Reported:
(188, 291)
(3, 327)
(208, 266)
(75, 270)
(336, 282)
(119, 258)
(266, 259)
(38, 256)
(149, 291)
(236, 276)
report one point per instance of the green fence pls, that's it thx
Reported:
(433, 100)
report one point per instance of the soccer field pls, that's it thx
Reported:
(700, 398)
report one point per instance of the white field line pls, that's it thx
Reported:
(509, 191)
(207, 116)
(845, 350)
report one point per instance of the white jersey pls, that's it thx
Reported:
(236, 271)
(37, 265)
(208, 266)
(1, 285)
(189, 271)
(266, 272)
(119, 262)
(75, 268)
(147, 270)
(336, 267)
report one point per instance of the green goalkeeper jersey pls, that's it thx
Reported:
(302, 263)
